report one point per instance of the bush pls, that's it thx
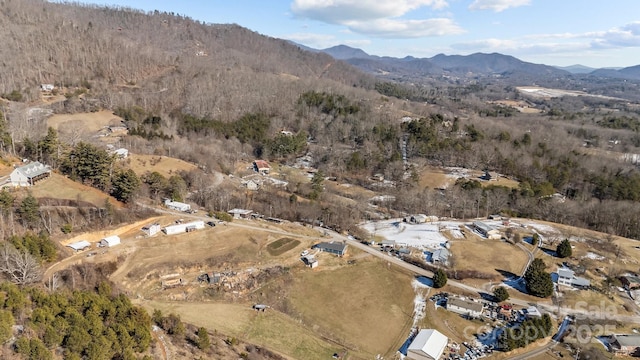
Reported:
(223, 216)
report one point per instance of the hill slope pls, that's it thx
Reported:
(162, 60)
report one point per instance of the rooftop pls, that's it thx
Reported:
(34, 169)
(465, 304)
(335, 246)
(564, 272)
(429, 341)
(628, 339)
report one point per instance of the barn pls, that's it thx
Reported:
(110, 241)
(429, 344)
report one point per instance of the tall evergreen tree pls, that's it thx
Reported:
(564, 249)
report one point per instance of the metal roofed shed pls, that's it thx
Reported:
(80, 245)
(110, 241)
(429, 344)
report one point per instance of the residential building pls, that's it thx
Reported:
(338, 248)
(486, 230)
(251, 185)
(28, 175)
(261, 166)
(176, 205)
(568, 277)
(429, 344)
(440, 256)
(240, 213)
(625, 344)
(110, 241)
(465, 307)
(182, 228)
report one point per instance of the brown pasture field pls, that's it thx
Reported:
(60, 187)
(481, 255)
(436, 178)
(330, 308)
(366, 304)
(90, 122)
(164, 165)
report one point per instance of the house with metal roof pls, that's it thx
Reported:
(486, 230)
(440, 256)
(28, 175)
(80, 245)
(465, 307)
(429, 344)
(568, 277)
(625, 344)
(334, 247)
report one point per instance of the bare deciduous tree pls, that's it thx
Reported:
(18, 266)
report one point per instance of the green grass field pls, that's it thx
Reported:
(281, 246)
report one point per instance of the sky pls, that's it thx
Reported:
(594, 33)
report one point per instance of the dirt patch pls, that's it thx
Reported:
(281, 246)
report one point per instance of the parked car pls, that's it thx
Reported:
(304, 253)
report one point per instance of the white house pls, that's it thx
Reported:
(29, 174)
(176, 205)
(46, 87)
(568, 277)
(110, 241)
(181, 228)
(465, 307)
(429, 344)
(151, 229)
(240, 213)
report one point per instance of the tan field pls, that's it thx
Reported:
(480, 255)
(89, 122)
(59, 187)
(164, 165)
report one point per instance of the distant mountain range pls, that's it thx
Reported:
(477, 64)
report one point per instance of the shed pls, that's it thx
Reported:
(441, 256)
(151, 229)
(80, 245)
(625, 344)
(429, 344)
(261, 166)
(110, 241)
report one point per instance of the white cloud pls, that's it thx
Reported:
(341, 11)
(392, 28)
(626, 36)
(379, 18)
(497, 5)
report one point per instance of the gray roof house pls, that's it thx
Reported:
(338, 248)
(465, 307)
(568, 277)
(29, 174)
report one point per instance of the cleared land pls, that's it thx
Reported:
(488, 256)
(58, 187)
(90, 122)
(164, 165)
